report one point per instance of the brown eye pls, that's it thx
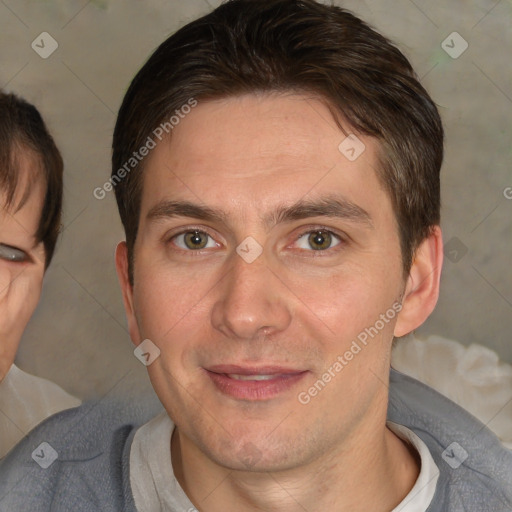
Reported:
(320, 240)
(196, 240)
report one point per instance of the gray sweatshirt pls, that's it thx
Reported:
(86, 452)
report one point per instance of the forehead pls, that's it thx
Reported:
(23, 173)
(22, 212)
(255, 150)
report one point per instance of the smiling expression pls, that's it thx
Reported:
(241, 337)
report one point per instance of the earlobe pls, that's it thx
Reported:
(422, 288)
(121, 259)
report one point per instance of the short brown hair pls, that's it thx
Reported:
(249, 46)
(22, 128)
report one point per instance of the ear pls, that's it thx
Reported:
(422, 289)
(121, 258)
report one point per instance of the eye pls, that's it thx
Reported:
(318, 240)
(194, 240)
(11, 253)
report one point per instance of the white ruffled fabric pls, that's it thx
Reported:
(472, 377)
(25, 401)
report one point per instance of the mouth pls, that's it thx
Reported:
(254, 383)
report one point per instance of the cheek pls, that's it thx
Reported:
(167, 302)
(5, 279)
(28, 292)
(20, 290)
(345, 301)
(170, 312)
(20, 285)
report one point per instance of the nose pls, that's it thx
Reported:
(252, 301)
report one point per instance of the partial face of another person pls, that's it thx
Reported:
(243, 336)
(22, 260)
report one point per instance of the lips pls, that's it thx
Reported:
(254, 383)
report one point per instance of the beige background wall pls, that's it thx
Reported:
(78, 335)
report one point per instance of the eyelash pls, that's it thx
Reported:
(341, 238)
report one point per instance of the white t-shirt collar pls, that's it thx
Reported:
(155, 488)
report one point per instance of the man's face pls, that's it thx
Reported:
(243, 336)
(22, 261)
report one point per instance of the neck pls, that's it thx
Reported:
(370, 472)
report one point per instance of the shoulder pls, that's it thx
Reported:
(76, 460)
(475, 468)
(25, 401)
(54, 398)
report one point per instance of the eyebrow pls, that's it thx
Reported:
(330, 206)
(169, 209)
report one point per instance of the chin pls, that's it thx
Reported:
(255, 454)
